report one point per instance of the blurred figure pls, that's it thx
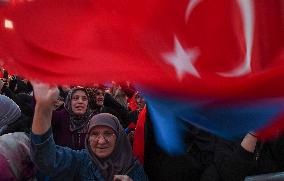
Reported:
(140, 101)
(59, 104)
(121, 92)
(11, 118)
(20, 92)
(105, 103)
(3, 74)
(15, 162)
(64, 91)
(9, 111)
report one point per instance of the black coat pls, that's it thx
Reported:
(241, 163)
(197, 164)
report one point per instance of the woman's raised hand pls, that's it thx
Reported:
(45, 95)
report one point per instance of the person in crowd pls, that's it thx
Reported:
(103, 102)
(11, 117)
(99, 99)
(64, 91)
(252, 157)
(195, 164)
(59, 104)
(15, 162)
(9, 111)
(18, 91)
(136, 102)
(160, 165)
(118, 94)
(3, 73)
(140, 101)
(108, 155)
(70, 124)
(21, 85)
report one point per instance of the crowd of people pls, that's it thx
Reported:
(105, 133)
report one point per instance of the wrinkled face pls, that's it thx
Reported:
(100, 96)
(102, 141)
(79, 102)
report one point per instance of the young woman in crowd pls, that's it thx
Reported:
(70, 124)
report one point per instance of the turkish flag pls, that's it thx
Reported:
(194, 47)
(228, 51)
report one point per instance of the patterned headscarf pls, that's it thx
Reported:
(121, 159)
(9, 111)
(77, 122)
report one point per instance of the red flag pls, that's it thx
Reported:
(138, 141)
(125, 33)
(222, 49)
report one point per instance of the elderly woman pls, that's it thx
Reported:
(107, 156)
(70, 124)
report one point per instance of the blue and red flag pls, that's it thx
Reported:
(217, 64)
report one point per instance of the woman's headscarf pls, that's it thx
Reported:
(14, 151)
(121, 159)
(9, 111)
(77, 122)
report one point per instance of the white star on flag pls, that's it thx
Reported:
(182, 60)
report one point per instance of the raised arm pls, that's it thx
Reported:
(249, 142)
(54, 161)
(45, 97)
(240, 163)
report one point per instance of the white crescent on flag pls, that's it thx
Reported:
(191, 5)
(247, 12)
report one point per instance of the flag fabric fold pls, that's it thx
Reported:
(213, 63)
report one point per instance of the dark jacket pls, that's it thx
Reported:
(62, 133)
(161, 166)
(125, 116)
(23, 124)
(23, 100)
(241, 163)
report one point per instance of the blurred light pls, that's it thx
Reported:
(8, 24)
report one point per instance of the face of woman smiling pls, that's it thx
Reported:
(102, 141)
(79, 102)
